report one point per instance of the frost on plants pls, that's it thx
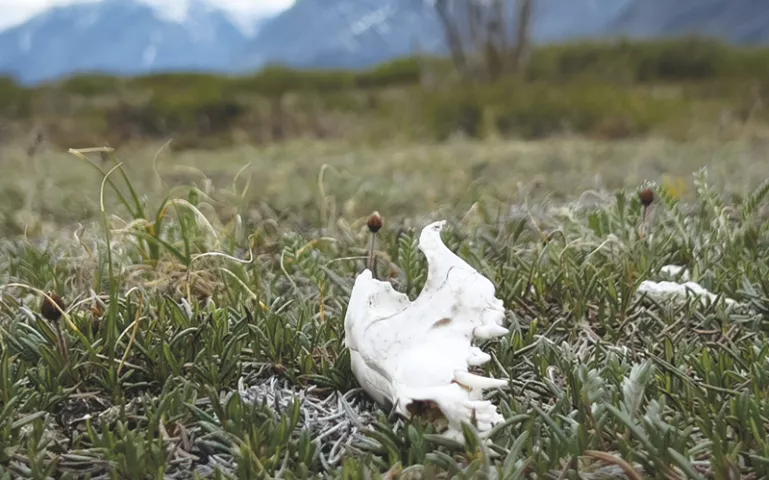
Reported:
(406, 353)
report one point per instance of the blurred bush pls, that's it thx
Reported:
(535, 110)
(15, 100)
(91, 85)
(405, 71)
(688, 58)
(609, 89)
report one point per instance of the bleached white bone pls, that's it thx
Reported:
(681, 290)
(403, 351)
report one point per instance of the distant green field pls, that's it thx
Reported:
(314, 183)
(681, 89)
(204, 305)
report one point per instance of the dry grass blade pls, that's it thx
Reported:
(630, 472)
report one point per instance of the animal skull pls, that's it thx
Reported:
(404, 352)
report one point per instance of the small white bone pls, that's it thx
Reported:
(473, 381)
(477, 357)
(490, 331)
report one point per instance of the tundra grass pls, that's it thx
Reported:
(310, 183)
(202, 343)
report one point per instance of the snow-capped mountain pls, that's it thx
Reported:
(134, 37)
(361, 33)
(736, 21)
(123, 37)
(347, 33)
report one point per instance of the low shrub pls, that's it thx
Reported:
(91, 85)
(403, 71)
(534, 110)
(687, 58)
(15, 100)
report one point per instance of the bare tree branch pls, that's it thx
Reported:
(478, 36)
(452, 33)
(523, 34)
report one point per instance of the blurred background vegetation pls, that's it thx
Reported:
(680, 89)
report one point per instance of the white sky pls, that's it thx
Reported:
(16, 11)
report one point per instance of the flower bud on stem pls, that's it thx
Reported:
(374, 224)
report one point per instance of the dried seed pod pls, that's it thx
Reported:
(49, 310)
(374, 222)
(647, 196)
(97, 310)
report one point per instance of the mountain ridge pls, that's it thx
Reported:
(129, 37)
(95, 37)
(734, 21)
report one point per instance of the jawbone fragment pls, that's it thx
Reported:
(404, 352)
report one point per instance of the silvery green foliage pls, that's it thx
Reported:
(634, 385)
